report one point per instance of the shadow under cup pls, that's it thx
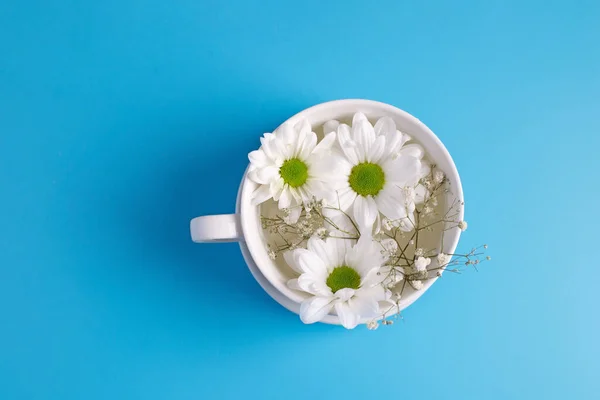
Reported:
(245, 226)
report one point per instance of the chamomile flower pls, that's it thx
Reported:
(287, 167)
(373, 167)
(339, 276)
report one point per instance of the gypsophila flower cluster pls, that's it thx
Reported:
(372, 325)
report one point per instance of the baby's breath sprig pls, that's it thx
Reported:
(314, 220)
(411, 265)
(413, 246)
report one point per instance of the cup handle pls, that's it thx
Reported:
(216, 228)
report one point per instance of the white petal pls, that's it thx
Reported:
(384, 125)
(331, 168)
(413, 150)
(376, 150)
(377, 225)
(348, 146)
(310, 263)
(285, 200)
(345, 197)
(264, 175)
(293, 284)
(307, 146)
(330, 126)
(373, 277)
(266, 146)
(325, 144)
(390, 202)
(364, 136)
(376, 292)
(284, 151)
(314, 309)
(347, 318)
(404, 137)
(340, 247)
(276, 188)
(420, 193)
(364, 306)
(258, 158)
(410, 207)
(272, 147)
(313, 187)
(305, 192)
(313, 284)
(291, 259)
(294, 215)
(392, 144)
(252, 175)
(354, 255)
(286, 134)
(303, 126)
(359, 117)
(403, 171)
(407, 224)
(344, 294)
(318, 247)
(364, 256)
(322, 289)
(425, 169)
(296, 194)
(365, 213)
(261, 194)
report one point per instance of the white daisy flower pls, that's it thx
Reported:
(286, 167)
(373, 170)
(339, 276)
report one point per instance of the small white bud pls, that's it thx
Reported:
(372, 325)
(417, 285)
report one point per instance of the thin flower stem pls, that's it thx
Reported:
(347, 216)
(432, 215)
(328, 220)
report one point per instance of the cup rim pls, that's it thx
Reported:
(255, 251)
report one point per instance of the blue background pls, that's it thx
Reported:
(121, 120)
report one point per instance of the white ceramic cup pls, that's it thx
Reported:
(245, 227)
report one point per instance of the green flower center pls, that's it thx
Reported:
(366, 179)
(294, 172)
(343, 277)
